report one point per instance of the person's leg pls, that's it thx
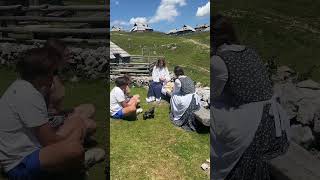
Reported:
(62, 156)
(157, 90)
(150, 91)
(130, 110)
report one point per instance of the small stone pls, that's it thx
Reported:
(74, 79)
(301, 135)
(310, 84)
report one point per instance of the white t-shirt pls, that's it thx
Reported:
(117, 96)
(22, 107)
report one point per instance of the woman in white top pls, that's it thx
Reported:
(184, 102)
(248, 125)
(160, 75)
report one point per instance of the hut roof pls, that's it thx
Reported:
(116, 50)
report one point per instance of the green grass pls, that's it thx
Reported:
(189, 54)
(78, 93)
(289, 30)
(155, 148)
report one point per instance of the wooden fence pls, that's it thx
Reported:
(138, 66)
(78, 24)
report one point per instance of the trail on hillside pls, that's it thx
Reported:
(311, 25)
(197, 43)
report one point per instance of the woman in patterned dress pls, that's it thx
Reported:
(248, 126)
(184, 102)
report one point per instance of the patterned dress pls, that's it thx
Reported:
(187, 121)
(248, 82)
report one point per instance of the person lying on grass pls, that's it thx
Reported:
(30, 148)
(120, 106)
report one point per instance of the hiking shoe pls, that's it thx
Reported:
(139, 110)
(150, 99)
(93, 156)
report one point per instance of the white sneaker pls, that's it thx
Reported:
(93, 156)
(158, 100)
(139, 110)
(150, 99)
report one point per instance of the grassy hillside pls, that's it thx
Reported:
(289, 30)
(155, 148)
(192, 51)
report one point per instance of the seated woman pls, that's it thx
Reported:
(184, 102)
(160, 75)
(249, 127)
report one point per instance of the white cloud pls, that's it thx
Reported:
(167, 10)
(142, 20)
(204, 10)
(119, 23)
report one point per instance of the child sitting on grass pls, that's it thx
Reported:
(120, 106)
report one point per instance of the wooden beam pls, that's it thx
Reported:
(55, 19)
(66, 40)
(46, 8)
(23, 30)
(11, 8)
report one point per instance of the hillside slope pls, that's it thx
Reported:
(287, 29)
(192, 51)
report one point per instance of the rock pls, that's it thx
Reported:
(307, 111)
(74, 79)
(316, 125)
(301, 135)
(310, 84)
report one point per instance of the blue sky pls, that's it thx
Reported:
(161, 15)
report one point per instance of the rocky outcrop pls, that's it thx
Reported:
(301, 100)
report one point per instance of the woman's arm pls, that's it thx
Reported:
(219, 76)
(177, 86)
(167, 75)
(155, 74)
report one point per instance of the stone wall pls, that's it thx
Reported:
(85, 62)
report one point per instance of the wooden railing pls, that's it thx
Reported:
(82, 28)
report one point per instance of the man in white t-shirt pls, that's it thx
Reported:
(120, 107)
(30, 148)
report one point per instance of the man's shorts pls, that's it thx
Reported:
(119, 115)
(29, 168)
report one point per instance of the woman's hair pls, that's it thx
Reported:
(178, 71)
(37, 62)
(121, 81)
(161, 60)
(222, 32)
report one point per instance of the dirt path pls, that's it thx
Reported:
(197, 43)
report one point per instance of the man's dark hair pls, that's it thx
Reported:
(37, 62)
(121, 81)
(222, 32)
(178, 71)
(56, 44)
(128, 78)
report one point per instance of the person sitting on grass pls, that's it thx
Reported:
(30, 147)
(57, 92)
(120, 107)
(184, 102)
(160, 75)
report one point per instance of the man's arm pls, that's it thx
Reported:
(46, 135)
